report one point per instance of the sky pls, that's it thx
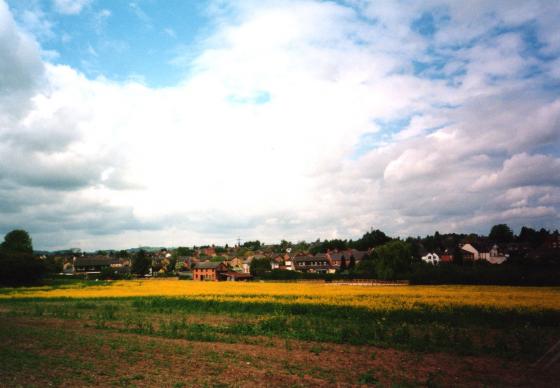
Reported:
(168, 123)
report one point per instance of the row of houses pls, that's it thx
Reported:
(236, 269)
(469, 252)
(482, 249)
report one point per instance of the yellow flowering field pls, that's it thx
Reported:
(371, 297)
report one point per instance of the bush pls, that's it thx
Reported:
(20, 269)
(485, 274)
(114, 274)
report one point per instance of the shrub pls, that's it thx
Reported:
(20, 269)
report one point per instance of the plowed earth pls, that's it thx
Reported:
(40, 352)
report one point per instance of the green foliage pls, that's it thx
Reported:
(368, 378)
(18, 266)
(458, 256)
(343, 266)
(532, 237)
(485, 274)
(259, 267)
(184, 252)
(501, 233)
(393, 260)
(108, 273)
(422, 328)
(281, 248)
(54, 264)
(301, 246)
(252, 245)
(171, 265)
(324, 246)
(17, 241)
(141, 263)
(367, 265)
(371, 239)
(219, 250)
(352, 263)
(123, 254)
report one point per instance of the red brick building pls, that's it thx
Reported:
(209, 271)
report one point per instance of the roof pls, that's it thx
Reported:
(93, 260)
(358, 255)
(306, 258)
(208, 265)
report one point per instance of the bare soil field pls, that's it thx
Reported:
(54, 352)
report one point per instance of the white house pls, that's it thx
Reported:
(431, 258)
(288, 263)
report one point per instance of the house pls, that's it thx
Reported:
(208, 251)
(276, 262)
(92, 264)
(481, 251)
(552, 241)
(309, 263)
(235, 262)
(209, 271)
(338, 256)
(288, 263)
(446, 256)
(431, 258)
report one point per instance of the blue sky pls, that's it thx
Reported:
(121, 39)
(126, 123)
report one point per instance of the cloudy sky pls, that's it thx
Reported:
(127, 123)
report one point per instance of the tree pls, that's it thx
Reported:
(501, 233)
(171, 264)
(285, 245)
(342, 264)
(394, 260)
(458, 256)
(352, 263)
(329, 245)
(18, 241)
(17, 264)
(259, 267)
(141, 263)
(252, 245)
(123, 254)
(301, 246)
(371, 239)
(367, 265)
(184, 252)
(54, 264)
(528, 236)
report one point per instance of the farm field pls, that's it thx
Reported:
(183, 333)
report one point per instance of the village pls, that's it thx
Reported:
(243, 261)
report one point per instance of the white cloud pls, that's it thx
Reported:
(259, 140)
(523, 170)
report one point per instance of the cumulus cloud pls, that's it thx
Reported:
(21, 69)
(290, 124)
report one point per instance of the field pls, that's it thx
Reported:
(183, 333)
